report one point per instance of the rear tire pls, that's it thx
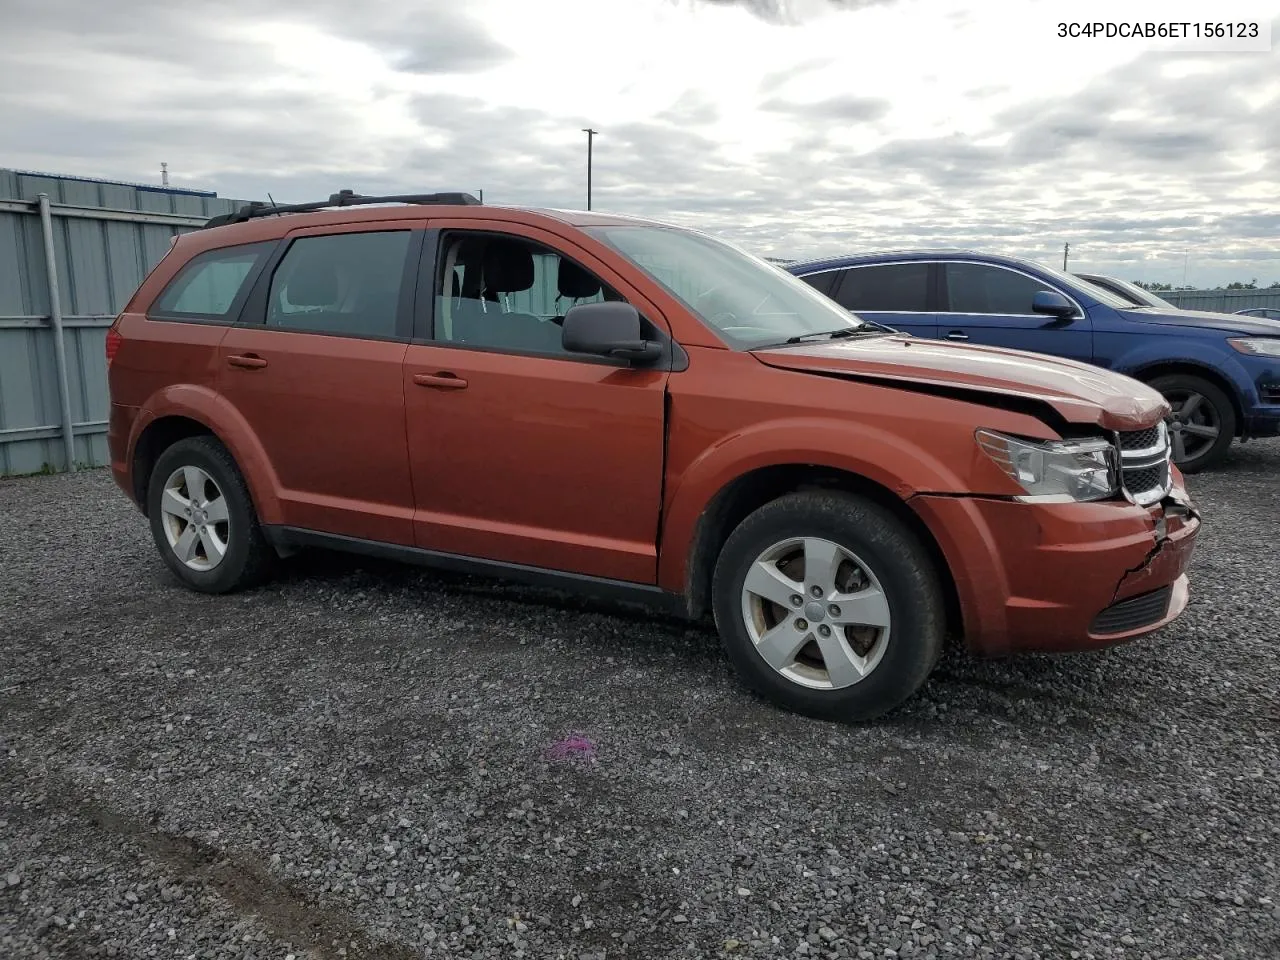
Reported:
(1198, 406)
(202, 518)
(829, 605)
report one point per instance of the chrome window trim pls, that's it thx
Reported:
(1081, 314)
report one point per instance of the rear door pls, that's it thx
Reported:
(990, 304)
(523, 453)
(177, 342)
(314, 367)
(898, 295)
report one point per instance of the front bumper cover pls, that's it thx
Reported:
(1034, 577)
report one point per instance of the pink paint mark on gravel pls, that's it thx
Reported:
(576, 747)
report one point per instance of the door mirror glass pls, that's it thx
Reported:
(1053, 303)
(608, 330)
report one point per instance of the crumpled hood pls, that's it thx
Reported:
(1079, 392)
(1226, 322)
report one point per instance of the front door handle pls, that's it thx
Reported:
(957, 335)
(248, 361)
(441, 381)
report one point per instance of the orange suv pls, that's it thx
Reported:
(637, 410)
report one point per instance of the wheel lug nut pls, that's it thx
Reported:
(816, 591)
(833, 610)
(824, 630)
(797, 600)
(802, 625)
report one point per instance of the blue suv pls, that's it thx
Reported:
(1219, 372)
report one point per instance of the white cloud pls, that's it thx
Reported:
(795, 126)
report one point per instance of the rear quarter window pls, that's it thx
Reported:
(212, 286)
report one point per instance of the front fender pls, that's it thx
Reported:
(210, 409)
(892, 461)
(1208, 355)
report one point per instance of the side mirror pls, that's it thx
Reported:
(611, 329)
(1054, 304)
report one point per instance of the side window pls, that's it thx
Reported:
(508, 293)
(210, 286)
(978, 288)
(822, 282)
(344, 283)
(896, 287)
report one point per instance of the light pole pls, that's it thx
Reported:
(1065, 248)
(590, 137)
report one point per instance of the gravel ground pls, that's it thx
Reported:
(353, 762)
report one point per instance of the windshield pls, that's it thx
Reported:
(1142, 295)
(1072, 282)
(1097, 290)
(750, 302)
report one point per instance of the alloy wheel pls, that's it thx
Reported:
(195, 518)
(1195, 425)
(816, 613)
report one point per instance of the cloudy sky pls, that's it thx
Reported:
(795, 127)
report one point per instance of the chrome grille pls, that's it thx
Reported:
(1145, 478)
(1140, 439)
(1144, 458)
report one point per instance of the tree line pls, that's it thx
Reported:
(1237, 285)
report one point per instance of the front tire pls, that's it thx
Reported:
(829, 605)
(202, 518)
(1203, 423)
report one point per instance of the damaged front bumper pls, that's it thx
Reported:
(1060, 577)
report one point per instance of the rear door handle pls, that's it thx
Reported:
(957, 335)
(441, 381)
(248, 361)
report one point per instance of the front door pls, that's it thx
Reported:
(521, 452)
(315, 368)
(991, 305)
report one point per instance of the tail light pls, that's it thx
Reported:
(113, 343)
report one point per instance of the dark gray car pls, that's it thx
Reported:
(1138, 296)
(1267, 312)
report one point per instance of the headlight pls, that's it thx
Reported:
(1055, 471)
(1258, 346)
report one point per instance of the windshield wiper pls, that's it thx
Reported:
(833, 334)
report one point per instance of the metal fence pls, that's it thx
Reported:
(104, 238)
(73, 250)
(101, 239)
(1223, 301)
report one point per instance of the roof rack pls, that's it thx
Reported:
(343, 198)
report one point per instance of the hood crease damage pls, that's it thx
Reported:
(1055, 391)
